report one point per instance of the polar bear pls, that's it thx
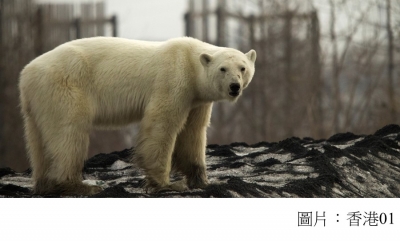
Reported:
(106, 82)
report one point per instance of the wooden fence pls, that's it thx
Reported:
(57, 24)
(26, 31)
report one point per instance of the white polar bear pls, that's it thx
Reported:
(107, 82)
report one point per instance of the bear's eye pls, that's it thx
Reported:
(243, 69)
(223, 69)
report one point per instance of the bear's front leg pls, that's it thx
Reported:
(158, 131)
(190, 148)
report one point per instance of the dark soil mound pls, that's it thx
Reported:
(345, 165)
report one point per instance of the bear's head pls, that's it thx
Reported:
(228, 73)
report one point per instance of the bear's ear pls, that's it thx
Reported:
(251, 55)
(205, 59)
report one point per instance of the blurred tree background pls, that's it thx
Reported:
(323, 66)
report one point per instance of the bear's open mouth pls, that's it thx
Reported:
(234, 93)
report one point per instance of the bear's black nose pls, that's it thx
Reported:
(234, 87)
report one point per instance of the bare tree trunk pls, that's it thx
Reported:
(317, 84)
(263, 69)
(221, 23)
(255, 85)
(392, 101)
(189, 20)
(288, 75)
(335, 69)
(205, 21)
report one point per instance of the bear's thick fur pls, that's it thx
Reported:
(106, 82)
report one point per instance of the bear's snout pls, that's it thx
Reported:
(235, 89)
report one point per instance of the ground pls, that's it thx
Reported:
(345, 165)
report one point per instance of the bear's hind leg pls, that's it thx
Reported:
(67, 149)
(190, 149)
